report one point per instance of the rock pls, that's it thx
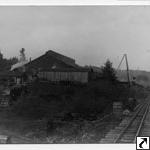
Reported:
(126, 112)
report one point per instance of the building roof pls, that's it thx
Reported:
(61, 57)
(52, 61)
(18, 65)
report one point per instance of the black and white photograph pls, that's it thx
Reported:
(75, 75)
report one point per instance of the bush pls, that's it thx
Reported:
(34, 107)
(51, 101)
(108, 72)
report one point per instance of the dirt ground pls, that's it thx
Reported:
(29, 131)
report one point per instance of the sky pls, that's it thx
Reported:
(89, 34)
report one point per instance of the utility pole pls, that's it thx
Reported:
(128, 76)
(127, 67)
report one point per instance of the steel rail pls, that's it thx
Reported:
(141, 123)
(137, 106)
(131, 121)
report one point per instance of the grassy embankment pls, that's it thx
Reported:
(86, 104)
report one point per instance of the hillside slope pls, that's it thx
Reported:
(142, 77)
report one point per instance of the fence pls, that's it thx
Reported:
(81, 77)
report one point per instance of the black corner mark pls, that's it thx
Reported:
(144, 140)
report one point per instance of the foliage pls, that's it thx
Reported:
(34, 107)
(108, 72)
(5, 64)
(49, 100)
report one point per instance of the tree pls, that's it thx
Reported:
(5, 64)
(108, 72)
(22, 55)
(1, 56)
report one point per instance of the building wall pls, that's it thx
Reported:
(81, 77)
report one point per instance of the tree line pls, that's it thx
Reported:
(5, 64)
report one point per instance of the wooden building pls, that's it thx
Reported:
(55, 67)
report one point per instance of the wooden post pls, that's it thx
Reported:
(128, 76)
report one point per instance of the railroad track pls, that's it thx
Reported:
(130, 127)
